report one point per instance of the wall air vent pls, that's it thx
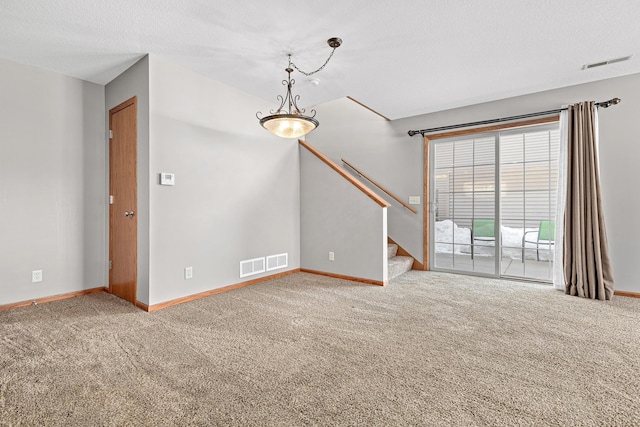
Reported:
(275, 262)
(607, 62)
(252, 266)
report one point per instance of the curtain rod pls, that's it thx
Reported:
(603, 104)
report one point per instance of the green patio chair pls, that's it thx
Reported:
(483, 230)
(546, 236)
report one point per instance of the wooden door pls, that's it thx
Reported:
(122, 208)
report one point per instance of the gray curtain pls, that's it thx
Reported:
(587, 267)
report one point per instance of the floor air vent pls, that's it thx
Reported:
(252, 266)
(275, 262)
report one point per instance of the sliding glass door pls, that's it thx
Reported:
(464, 181)
(493, 203)
(528, 176)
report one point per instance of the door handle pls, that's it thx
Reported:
(129, 214)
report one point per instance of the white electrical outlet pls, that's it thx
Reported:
(332, 256)
(36, 276)
(188, 273)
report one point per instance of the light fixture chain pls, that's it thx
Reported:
(291, 64)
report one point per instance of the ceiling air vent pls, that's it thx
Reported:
(607, 62)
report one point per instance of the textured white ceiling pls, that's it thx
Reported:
(401, 58)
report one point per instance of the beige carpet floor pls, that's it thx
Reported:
(428, 349)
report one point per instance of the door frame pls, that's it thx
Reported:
(427, 167)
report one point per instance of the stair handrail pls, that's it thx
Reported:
(389, 193)
(346, 175)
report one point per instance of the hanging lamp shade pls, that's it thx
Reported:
(289, 125)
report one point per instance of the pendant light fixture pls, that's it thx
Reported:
(288, 120)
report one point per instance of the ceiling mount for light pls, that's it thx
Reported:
(334, 42)
(291, 122)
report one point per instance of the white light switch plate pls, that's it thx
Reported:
(167, 178)
(414, 200)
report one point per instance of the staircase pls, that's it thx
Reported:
(397, 264)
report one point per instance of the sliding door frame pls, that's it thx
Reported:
(428, 167)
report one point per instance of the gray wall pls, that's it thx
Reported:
(135, 82)
(384, 153)
(394, 158)
(52, 183)
(337, 217)
(237, 191)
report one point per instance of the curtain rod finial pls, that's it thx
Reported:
(609, 103)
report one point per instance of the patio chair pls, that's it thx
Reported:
(483, 230)
(546, 232)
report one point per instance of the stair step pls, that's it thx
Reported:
(399, 265)
(392, 250)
